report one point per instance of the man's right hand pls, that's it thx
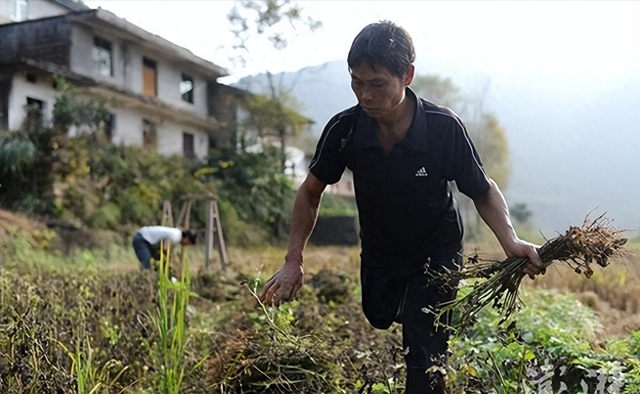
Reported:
(285, 283)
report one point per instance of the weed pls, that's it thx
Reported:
(173, 299)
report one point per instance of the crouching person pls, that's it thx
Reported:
(149, 239)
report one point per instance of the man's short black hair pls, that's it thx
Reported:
(383, 44)
(189, 235)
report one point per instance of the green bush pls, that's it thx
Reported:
(85, 181)
(17, 153)
(254, 184)
(336, 205)
(139, 204)
(31, 204)
(552, 342)
(106, 217)
(237, 232)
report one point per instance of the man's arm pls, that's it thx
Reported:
(288, 279)
(493, 209)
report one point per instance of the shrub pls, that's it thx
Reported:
(139, 204)
(253, 183)
(106, 217)
(336, 205)
(237, 232)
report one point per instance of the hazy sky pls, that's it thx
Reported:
(522, 36)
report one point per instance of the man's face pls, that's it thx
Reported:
(379, 91)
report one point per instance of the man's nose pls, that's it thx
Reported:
(366, 94)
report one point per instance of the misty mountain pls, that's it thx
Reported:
(322, 90)
(574, 146)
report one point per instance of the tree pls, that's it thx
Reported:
(520, 213)
(274, 113)
(490, 139)
(250, 18)
(257, 192)
(435, 88)
(273, 116)
(72, 108)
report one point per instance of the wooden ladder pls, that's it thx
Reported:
(213, 230)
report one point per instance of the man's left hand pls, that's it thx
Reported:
(522, 248)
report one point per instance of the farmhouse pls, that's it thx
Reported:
(159, 95)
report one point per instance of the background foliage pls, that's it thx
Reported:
(85, 182)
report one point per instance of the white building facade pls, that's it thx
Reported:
(158, 93)
(22, 10)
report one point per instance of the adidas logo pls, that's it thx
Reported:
(421, 172)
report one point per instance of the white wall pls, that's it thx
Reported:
(21, 89)
(81, 56)
(128, 122)
(127, 63)
(127, 58)
(6, 10)
(169, 78)
(129, 127)
(170, 139)
(44, 8)
(35, 9)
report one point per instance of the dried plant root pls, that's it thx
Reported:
(580, 247)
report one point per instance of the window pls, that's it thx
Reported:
(186, 88)
(35, 112)
(109, 127)
(149, 78)
(31, 77)
(20, 10)
(35, 104)
(149, 134)
(188, 146)
(102, 58)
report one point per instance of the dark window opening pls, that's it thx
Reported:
(31, 77)
(109, 127)
(102, 56)
(35, 112)
(188, 148)
(35, 104)
(149, 77)
(149, 134)
(186, 88)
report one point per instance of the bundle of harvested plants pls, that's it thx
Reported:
(580, 247)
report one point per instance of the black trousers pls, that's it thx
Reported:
(145, 251)
(399, 293)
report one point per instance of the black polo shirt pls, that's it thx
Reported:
(405, 204)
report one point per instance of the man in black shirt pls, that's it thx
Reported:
(403, 152)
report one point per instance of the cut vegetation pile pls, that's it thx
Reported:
(499, 281)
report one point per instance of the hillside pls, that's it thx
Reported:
(574, 146)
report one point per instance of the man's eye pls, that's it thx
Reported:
(377, 84)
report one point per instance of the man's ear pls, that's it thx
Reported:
(409, 74)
